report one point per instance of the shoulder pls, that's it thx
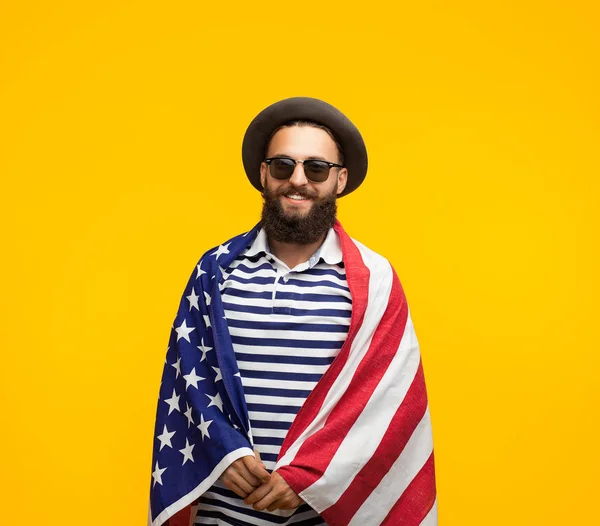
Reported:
(225, 252)
(374, 261)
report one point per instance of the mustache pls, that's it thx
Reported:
(290, 190)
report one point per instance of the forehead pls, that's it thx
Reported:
(302, 141)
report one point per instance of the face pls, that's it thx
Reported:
(297, 210)
(300, 143)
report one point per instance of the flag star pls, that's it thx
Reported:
(218, 371)
(204, 349)
(223, 249)
(165, 438)
(173, 402)
(183, 331)
(238, 375)
(193, 299)
(216, 400)
(203, 426)
(157, 474)
(192, 379)
(206, 321)
(177, 367)
(188, 415)
(200, 271)
(187, 452)
(207, 298)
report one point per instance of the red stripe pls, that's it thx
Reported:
(316, 452)
(357, 275)
(417, 500)
(407, 417)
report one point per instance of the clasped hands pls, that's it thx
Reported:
(248, 478)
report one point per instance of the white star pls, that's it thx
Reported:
(204, 350)
(165, 438)
(177, 367)
(192, 379)
(188, 414)
(207, 298)
(173, 402)
(238, 375)
(200, 271)
(218, 371)
(223, 249)
(157, 474)
(193, 299)
(183, 331)
(203, 426)
(216, 400)
(187, 452)
(206, 321)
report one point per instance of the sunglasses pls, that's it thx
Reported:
(315, 170)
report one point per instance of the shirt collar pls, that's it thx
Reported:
(330, 250)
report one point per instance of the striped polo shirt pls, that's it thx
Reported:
(287, 326)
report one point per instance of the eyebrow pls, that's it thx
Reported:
(314, 157)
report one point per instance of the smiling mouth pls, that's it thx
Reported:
(297, 198)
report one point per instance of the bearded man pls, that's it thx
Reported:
(293, 389)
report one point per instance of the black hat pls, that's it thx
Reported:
(310, 109)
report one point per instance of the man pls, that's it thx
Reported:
(293, 390)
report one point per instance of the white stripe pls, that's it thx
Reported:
(324, 336)
(296, 304)
(403, 471)
(261, 432)
(274, 400)
(282, 367)
(259, 350)
(237, 515)
(178, 505)
(380, 286)
(281, 417)
(277, 384)
(432, 517)
(364, 436)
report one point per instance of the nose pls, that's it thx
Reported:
(298, 177)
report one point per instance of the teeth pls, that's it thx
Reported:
(297, 197)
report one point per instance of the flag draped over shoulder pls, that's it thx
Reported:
(360, 449)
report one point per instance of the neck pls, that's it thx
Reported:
(292, 254)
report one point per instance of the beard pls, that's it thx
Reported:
(293, 227)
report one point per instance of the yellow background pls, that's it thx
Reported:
(121, 129)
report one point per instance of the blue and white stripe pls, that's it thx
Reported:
(287, 326)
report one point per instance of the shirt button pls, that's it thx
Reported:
(285, 279)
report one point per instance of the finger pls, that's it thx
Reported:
(258, 494)
(266, 501)
(229, 484)
(257, 469)
(276, 505)
(235, 477)
(249, 477)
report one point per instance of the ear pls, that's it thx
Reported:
(263, 174)
(342, 180)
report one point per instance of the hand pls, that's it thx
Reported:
(275, 494)
(244, 475)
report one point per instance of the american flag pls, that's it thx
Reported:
(360, 449)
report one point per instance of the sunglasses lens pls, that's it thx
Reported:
(282, 168)
(317, 171)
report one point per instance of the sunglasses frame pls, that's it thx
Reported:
(331, 165)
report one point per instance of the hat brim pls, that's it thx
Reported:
(310, 109)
